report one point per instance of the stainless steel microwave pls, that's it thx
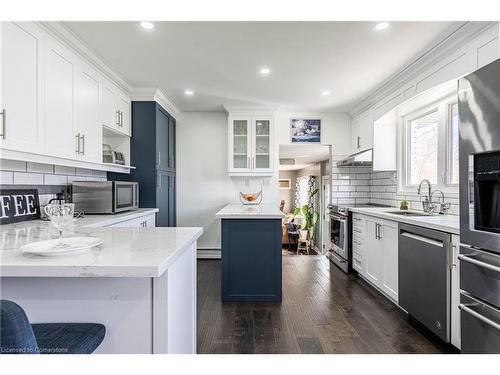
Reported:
(105, 197)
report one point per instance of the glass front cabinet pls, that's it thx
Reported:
(250, 145)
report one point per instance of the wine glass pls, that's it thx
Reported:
(61, 216)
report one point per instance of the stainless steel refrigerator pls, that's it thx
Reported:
(479, 150)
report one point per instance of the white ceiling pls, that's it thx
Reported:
(304, 155)
(220, 61)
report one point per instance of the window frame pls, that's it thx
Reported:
(443, 106)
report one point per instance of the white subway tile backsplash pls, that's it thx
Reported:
(39, 168)
(346, 188)
(6, 177)
(68, 171)
(23, 178)
(14, 172)
(55, 179)
(76, 178)
(13, 165)
(84, 172)
(362, 188)
(101, 174)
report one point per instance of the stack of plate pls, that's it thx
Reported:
(70, 245)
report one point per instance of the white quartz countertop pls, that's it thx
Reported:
(444, 223)
(125, 252)
(239, 211)
(106, 220)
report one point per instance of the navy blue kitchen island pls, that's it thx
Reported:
(251, 253)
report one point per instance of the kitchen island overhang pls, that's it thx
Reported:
(141, 284)
(251, 259)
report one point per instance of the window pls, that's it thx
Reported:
(423, 148)
(430, 146)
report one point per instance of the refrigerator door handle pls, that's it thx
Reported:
(469, 259)
(468, 310)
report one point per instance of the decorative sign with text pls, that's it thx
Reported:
(19, 205)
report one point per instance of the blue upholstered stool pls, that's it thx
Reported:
(18, 336)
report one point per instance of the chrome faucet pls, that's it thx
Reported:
(428, 185)
(428, 205)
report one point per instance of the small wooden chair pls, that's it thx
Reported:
(303, 243)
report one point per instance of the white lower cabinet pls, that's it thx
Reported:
(376, 255)
(147, 221)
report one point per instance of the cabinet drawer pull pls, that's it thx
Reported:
(117, 118)
(77, 143)
(83, 142)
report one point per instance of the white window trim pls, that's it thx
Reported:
(442, 103)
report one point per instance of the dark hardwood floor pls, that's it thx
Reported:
(323, 311)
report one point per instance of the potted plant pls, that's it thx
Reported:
(309, 215)
(403, 205)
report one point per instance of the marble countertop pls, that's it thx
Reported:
(105, 220)
(444, 223)
(125, 252)
(239, 211)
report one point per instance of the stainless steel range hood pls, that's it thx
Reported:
(361, 159)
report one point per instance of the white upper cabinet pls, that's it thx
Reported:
(89, 136)
(251, 145)
(115, 108)
(384, 142)
(53, 103)
(240, 144)
(21, 126)
(362, 132)
(124, 114)
(60, 94)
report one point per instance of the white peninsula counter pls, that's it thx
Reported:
(140, 283)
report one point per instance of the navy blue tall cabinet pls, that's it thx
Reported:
(152, 149)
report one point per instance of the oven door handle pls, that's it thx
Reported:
(338, 217)
(469, 259)
(337, 258)
(475, 314)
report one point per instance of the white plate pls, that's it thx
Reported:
(49, 248)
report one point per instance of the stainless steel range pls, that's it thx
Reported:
(340, 251)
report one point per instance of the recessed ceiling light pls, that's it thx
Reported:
(325, 93)
(188, 92)
(147, 25)
(265, 71)
(381, 26)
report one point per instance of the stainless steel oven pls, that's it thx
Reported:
(105, 197)
(479, 114)
(339, 240)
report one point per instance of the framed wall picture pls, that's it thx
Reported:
(285, 183)
(305, 130)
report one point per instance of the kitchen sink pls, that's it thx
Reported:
(407, 213)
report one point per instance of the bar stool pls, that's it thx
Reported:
(18, 336)
(303, 243)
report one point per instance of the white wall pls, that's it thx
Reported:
(288, 195)
(203, 184)
(335, 129)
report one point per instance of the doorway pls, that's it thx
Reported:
(301, 171)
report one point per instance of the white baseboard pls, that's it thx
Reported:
(208, 254)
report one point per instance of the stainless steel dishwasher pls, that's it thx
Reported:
(425, 277)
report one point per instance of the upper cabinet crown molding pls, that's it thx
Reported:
(155, 95)
(257, 110)
(67, 37)
(461, 41)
